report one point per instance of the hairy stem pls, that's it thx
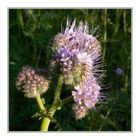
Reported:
(60, 104)
(39, 101)
(42, 108)
(58, 90)
(45, 124)
(46, 121)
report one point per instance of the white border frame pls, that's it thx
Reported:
(5, 4)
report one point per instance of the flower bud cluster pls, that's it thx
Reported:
(29, 80)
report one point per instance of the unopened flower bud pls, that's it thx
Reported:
(80, 111)
(59, 41)
(30, 79)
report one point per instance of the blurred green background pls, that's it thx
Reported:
(31, 32)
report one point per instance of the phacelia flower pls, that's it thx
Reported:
(78, 56)
(88, 95)
(30, 79)
(75, 52)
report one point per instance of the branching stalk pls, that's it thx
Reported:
(46, 121)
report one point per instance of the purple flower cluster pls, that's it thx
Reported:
(76, 53)
(87, 96)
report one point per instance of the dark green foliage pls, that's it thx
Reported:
(31, 32)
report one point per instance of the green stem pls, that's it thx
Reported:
(107, 114)
(105, 33)
(67, 100)
(45, 124)
(20, 19)
(42, 108)
(124, 21)
(58, 90)
(39, 101)
(46, 121)
(60, 104)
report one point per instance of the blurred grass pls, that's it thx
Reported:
(30, 35)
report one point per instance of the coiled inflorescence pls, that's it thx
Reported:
(77, 53)
(29, 80)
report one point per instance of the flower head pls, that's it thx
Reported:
(78, 54)
(75, 52)
(87, 95)
(30, 79)
(77, 39)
